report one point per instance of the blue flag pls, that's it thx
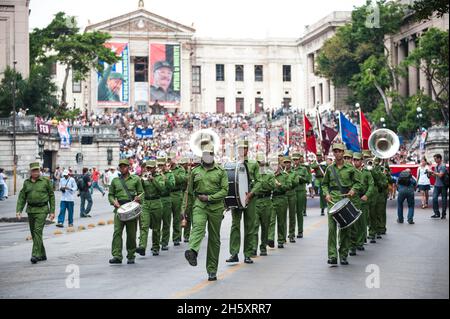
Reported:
(349, 134)
(144, 133)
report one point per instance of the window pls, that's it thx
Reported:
(286, 73)
(220, 72)
(239, 72)
(328, 91)
(258, 73)
(196, 79)
(76, 85)
(313, 96)
(220, 105)
(239, 105)
(287, 102)
(259, 106)
(321, 93)
(141, 69)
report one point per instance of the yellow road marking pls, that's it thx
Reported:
(231, 270)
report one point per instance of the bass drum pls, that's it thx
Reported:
(238, 185)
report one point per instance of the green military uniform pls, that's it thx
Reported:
(176, 195)
(279, 210)
(374, 211)
(300, 191)
(249, 215)
(212, 182)
(118, 192)
(319, 170)
(309, 180)
(263, 192)
(349, 179)
(292, 199)
(37, 196)
(188, 206)
(169, 185)
(386, 173)
(359, 228)
(151, 216)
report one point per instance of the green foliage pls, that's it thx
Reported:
(424, 9)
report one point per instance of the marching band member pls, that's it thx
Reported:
(319, 170)
(209, 183)
(189, 199)
(176, 195)
(151, 215)
(124, 189)
(169, 184)
(304, 179)
(339, 180)
(292, 197)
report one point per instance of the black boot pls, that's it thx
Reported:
(280, 246)
(332, 261)
(130, 261)
(43, 258)
(212, 276)
(344, 261)
(34, 260)
(191, 257)
(322, 212)
(140, 251)
(352, 252)
(300, 235)
(233, 259)
(291, 240)
(248, 260)
(115, 260)
(271, 244)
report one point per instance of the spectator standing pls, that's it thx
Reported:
(85, 195)
(95, 179)
(423, 181)
(406, 187)
(68, 187)
(440, 187)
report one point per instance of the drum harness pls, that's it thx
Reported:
(343, 190)
(122, 181)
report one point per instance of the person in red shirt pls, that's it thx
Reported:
(95, 178)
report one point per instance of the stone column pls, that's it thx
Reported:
(412, 71)
(402, 87)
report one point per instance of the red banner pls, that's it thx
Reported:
(365, 131)
(309, 136)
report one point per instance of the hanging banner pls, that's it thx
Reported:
(144, 133)
(165, 74)
(64, 135)
(113, 83)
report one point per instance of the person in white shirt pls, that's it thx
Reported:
(68, 187)
(3, 186)
(423, 181)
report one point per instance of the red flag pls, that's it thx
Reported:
(309, 136)
(365, 131)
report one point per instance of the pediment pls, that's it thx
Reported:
(140, 21)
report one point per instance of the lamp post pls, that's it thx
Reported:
(382, 120)
(14, 130)
(419, 116)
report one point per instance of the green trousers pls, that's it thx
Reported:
(343, 238)
(188, 212)
(263, 214)
(301, 207)
(376, 210)
(131, 227)
(278, 216)
(292, 203)
(166, 219)
(382, 213)
(201, 216)
(249, 230)
(323, 202)
(150, 210)
(177, 199)
(37, 223)
(358, 230)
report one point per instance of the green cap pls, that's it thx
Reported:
(183, 160)
(296, 155)
(280, 154)
(150, 163)
(34, 165)
(161, 160)
(287, 159)
(319, 153)
(348, 153)
(377, 160)
(172, 155)
(367, 153)
(124, 162)
(357, 155)
(243, 143)
(260, 157)
(338, 146)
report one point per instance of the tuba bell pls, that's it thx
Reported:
(201, 138)
(384, 143)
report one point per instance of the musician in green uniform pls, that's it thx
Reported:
(383, 208)
(151, 215)
(176, 196)
(374, 211)
(319, 168)
(280, 204)
(209, 184)
(249, 212)
(359, 233)
(292, 196)
(339, 181)
(262, 193)
(166, 200)
(124, 189)
(300, 191)
(37, 194)
(348, 157)
(307, 167)
(189, 199)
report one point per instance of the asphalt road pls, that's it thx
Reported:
(411, 261)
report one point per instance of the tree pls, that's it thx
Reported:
(431, 57)
(424, 9)
(79, 52)
(356, 55)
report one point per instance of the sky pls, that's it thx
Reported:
(210, 18)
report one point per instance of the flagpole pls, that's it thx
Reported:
(340, 127)
(360, 126)
(320, 126)
(287, 131)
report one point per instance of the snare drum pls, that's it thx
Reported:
(344, 213)
(129, 211)
(238, 185)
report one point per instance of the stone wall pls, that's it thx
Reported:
(437, 142)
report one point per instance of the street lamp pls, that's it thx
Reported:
(419, 116)
(382, 120)
(14, 129)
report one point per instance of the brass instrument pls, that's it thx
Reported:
(384, 143)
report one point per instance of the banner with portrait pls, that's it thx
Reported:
(114, 81)
(64, 135)
(165, 74)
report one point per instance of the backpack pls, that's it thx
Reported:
(404, 178)
(445, 178)
(80, 182)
